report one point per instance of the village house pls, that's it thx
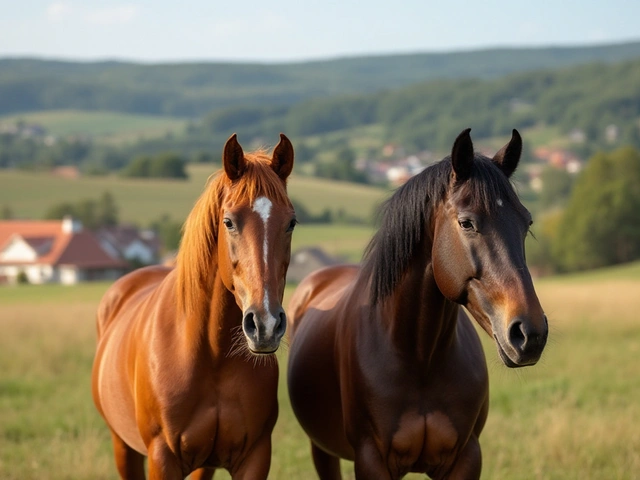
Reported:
(54, 251)
(131, 244)
(307, 260)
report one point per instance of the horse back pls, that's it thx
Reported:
(126, 289)
(321, 289)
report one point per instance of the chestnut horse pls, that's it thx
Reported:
(184, 371)
(385, 368)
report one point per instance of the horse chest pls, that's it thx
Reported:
(423, 442)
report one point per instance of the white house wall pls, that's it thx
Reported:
(69, 275)
(36, 274)
(137, 250)
(18, 251)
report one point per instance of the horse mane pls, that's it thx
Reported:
(196, 262)
(405, 214)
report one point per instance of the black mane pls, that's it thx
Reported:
(405, 214)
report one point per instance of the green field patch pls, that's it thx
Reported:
(100, 125)
(30, 195)
(52, 293)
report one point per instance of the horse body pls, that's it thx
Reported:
(385, 368)
(392, 384)
(174, 377)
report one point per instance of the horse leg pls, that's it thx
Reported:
(327, 466)
(469, 462)
(130, 464)
(369, 463)
(256, 464)
(163, 464)
(202, 474)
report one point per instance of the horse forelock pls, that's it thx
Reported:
(197, 257)
(405, 214)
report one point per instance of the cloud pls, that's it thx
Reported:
(58, 10)
(112, 15)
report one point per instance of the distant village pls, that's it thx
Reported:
(63, 251)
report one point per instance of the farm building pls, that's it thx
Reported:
(131, 244)
(56, 251)
(307, 260)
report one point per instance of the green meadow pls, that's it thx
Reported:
(572, 416)
(107, 127)
(29, 195)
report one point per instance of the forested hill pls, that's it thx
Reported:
(193, 89)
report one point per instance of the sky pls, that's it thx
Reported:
(273, 31)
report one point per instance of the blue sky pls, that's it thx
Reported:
(293, 30)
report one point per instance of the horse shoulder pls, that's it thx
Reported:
(320, 289)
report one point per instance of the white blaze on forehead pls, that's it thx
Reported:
(262, 206)
(499, 201)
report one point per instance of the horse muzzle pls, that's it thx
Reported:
(264, 329)
(522, 342)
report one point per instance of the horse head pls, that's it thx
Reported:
(479, 255)
(256, 221)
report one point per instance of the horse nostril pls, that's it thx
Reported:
(517, 336)
(249, 324)
(281, 326)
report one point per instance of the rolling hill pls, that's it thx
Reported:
(193, 89)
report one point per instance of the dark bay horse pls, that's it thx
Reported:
(184, 371)
(385, 368)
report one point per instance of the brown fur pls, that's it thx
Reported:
(184, 372)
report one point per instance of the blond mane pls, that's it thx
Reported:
(196, 262)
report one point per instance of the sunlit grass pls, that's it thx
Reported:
(572, 416)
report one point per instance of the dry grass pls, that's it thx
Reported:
(573, 416)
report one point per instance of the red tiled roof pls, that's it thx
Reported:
(25, 228)
(67, 248)
(84, 250)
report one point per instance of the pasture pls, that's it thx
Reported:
(106, 127)
(141, 201)
(572, 416)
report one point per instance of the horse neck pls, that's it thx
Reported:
(214, 328)
(420, 320)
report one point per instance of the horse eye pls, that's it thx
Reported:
(292, 225)
(228, 223)
(466, 224)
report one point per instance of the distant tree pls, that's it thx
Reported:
(22, 278)
(164, 165)
(93, 214)
(168, 165)
(304, 153)
(86, 211)
(556, 186)
(601, 225)
(539, 244)
(6, 213)
(140, 167)
(106, 210)
(169, 231)
(203, 157)
(59, 211)
(342, 167)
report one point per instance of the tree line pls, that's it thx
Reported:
(600, 224)
(193, 89)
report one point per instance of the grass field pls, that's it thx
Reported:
(29, 195)
(572, 416)
(108, 127)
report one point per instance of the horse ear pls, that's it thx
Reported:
(509, 155)
(462, 156)
(233, 158)
(282, 157)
